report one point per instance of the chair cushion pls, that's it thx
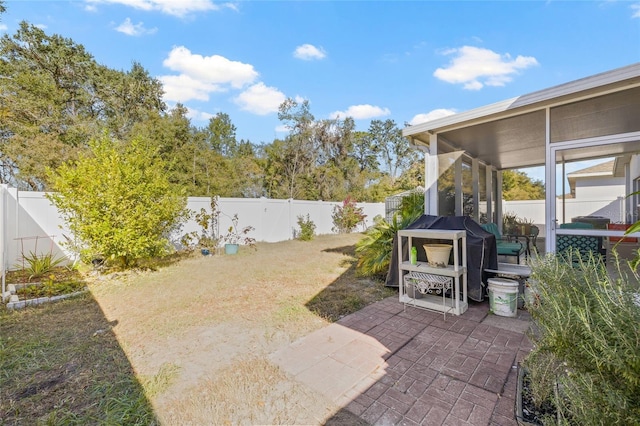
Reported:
(493, 228)
(507, 248)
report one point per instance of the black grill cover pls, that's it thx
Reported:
(481, 250)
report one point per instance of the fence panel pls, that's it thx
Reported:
(28, 218)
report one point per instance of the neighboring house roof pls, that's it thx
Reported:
(601, 170)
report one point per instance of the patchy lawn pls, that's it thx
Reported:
(197, 334)
(61, 364)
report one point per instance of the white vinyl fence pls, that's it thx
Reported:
(30, 223)
(534, 210)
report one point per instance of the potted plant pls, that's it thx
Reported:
(208, 222)
(236, 236)
(206, 244)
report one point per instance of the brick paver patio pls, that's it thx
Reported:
(387, 365)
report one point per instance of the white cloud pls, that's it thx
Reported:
(283, 128)
(179, 8)
(197, 115)
(129, 28)
(476, 67)
(41, 26)
(636, 10)
(198, 76)
(182, 88)
(431, 115)
(308, 52)
(260, 99)
(214, 69)
(360, 112)
(3, 27)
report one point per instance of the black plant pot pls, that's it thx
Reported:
(522, 371)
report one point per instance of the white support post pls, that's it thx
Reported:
(458, 184)
(475, 177)
(489, 183)
(628, 201)
(550, 190)
(499, 199)
(432, 168)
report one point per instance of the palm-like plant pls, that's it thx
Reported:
(375, 249)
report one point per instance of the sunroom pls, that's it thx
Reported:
(597, 117)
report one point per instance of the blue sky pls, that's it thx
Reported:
(406, 61)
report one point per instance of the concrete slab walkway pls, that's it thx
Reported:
(387, 365)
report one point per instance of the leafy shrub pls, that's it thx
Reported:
(307, 228)
(208, 221)
(347, 216)
(118, 202)
(586, 322)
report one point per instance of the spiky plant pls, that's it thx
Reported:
(374, 250)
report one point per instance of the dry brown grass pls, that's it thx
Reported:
(198, 332)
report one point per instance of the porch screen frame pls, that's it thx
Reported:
(550, 172)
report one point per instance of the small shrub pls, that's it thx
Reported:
(209, 222)
(307, 228)
(39, 265)
(586, 325)
(347, 217)
(237, 235)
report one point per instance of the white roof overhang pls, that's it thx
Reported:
(512, 133)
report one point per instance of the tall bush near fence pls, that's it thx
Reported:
(347, 217)
(118, 202)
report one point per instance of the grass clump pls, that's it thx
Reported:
(586, 355)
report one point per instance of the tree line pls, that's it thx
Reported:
(55, 98)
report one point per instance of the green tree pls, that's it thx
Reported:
(393, 149)
(316, 160)
(54, 97)
(516, 185)
(221, 135)
(127, 98)
(118, 202)
(42, 103)
(294, 161)
(364, 151)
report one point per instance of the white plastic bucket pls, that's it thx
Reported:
(503, 296)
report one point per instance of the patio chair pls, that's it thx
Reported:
(504, 246)
(585, 245)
